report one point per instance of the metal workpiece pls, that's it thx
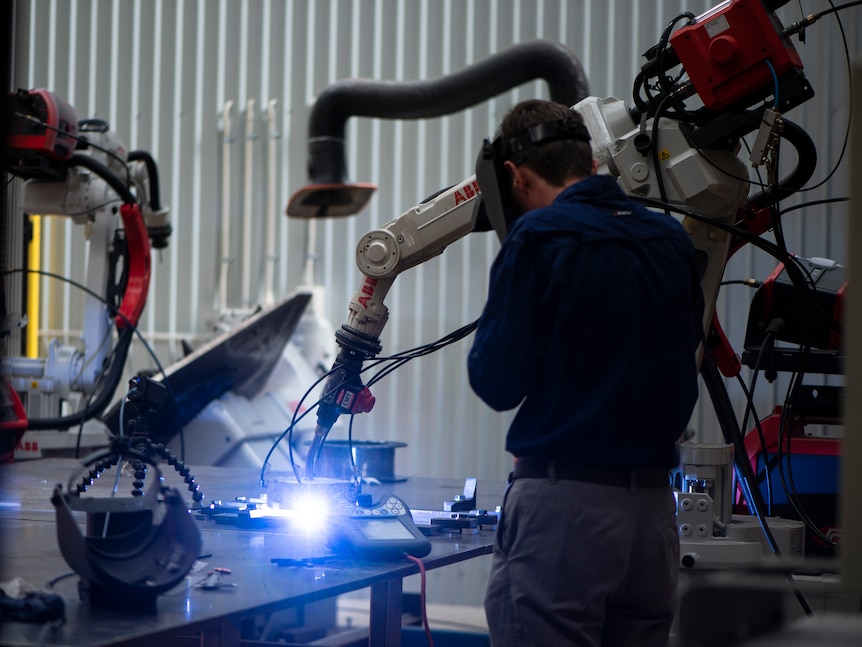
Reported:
(286, 493)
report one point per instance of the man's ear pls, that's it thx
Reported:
(595, 166)
(510, 167)
(519, 177)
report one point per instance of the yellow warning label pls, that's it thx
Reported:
(664, 154)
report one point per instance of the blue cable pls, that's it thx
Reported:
(774, 82)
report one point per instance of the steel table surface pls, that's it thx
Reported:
(30, 550)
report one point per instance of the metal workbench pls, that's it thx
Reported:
(30, 551)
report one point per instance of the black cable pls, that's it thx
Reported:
(664, 84)
(399, 359)
(835, 10)
(153, 173)
(773, 183)
(50, 583)
(659, 174)
(786, 477)
(812, 18)
(295, 419)
(813, 203)
(636, 94)
(767, 470)
(751, 283)
(732, 435)
(792, 267)
(764, 349)
(768, 339)
(106, 174)
(101, 399)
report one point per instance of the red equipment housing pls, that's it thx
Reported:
(13, 421)
(43, 131)
(778, 297)
(726, 51)
(812, 468)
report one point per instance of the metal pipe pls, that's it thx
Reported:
(225, 206)
(271, 185)
(247, 197)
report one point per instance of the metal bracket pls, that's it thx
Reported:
(463, 502)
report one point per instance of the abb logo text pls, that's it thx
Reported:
(28, 446)
(466, 192)
(367, 291)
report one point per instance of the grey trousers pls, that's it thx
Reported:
(583, 564)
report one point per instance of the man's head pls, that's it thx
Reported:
(541, 170)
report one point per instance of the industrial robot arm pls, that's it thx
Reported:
(419, 234)
(81, 170)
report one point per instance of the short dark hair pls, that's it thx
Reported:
(554, 161)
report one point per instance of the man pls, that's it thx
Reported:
(592, 323)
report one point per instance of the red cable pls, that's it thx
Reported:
(421, 566)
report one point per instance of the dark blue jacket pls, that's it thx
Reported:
(591, 326)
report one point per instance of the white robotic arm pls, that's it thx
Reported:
(421, 233)
(709, 183)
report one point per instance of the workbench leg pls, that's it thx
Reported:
(385, 622)
(221, 634)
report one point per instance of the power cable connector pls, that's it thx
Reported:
(800, 26)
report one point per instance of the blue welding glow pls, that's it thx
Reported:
(310, 512)
(306, 513)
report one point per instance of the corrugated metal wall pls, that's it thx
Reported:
(219, 93)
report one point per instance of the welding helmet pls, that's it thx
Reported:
(494, 180)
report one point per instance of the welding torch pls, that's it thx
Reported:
(343, 391)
